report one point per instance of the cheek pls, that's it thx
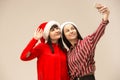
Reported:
(67, 35)
(51, 35)
(75, 33)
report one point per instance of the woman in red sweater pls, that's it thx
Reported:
(50, 53)
(81, 51)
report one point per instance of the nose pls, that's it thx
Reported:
(57, 31)
(71, 31)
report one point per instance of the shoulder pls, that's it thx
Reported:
(85, 40)
(41, 46)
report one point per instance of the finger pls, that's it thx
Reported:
(40, 30)
(98, 6)
(103, 9)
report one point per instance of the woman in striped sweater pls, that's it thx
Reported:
(82, 50)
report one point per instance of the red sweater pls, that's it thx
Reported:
(50, 66)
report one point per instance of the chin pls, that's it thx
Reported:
(57, 37)
(73, 38)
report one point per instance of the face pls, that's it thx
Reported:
(55, 34)
(70, 32)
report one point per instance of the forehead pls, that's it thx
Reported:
(68, 26)
(54, 26)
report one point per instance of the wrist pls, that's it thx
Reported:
(36, 38)
(106, 16)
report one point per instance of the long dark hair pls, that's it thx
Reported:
(59, 41)
(68, 44)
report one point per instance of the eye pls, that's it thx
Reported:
(72, 28)
(57, 28)
(67, 30)
(52, 29)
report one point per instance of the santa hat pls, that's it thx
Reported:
(65, 23)
(46, 29)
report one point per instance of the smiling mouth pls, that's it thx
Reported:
(57, 34)
(72, 35)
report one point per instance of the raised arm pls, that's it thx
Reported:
(29, 52)
(95, 37)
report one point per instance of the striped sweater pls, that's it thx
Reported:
(81, 57)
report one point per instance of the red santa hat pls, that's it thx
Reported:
(46, 29)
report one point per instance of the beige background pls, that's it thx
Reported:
(19, 19)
